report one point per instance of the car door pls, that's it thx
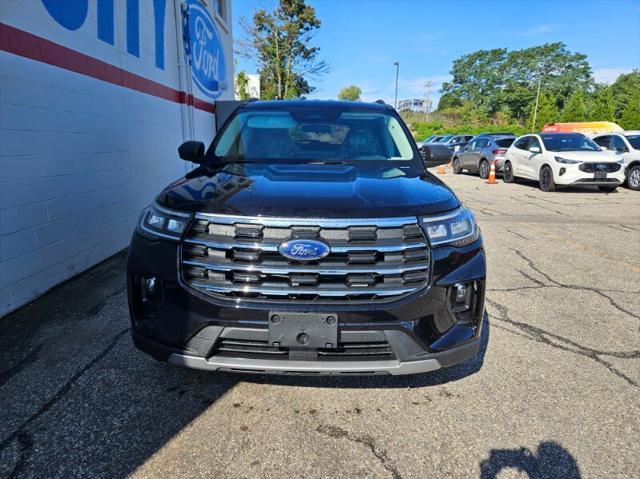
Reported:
(618, 145)
(463, 154)
(454, 143)
(517, 155)
(476, 153)
(534, 160)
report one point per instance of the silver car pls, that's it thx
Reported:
(478, 155)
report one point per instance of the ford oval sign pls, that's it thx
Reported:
(204, 50)
(304, 250)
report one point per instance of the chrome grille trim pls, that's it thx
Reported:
(236, 258)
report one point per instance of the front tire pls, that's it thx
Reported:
(484, 169)
(508, 176)
(633, 179)
(456, 166)
(547, 183)
(607, 189)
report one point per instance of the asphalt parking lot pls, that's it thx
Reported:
(554, 392)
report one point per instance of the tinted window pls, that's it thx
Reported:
(523, 143)
(603, 141)
(618, 144)
(569, 142)
(534, 143)
(505, 142)
(635, 141)
(313, 134)
(483, 143)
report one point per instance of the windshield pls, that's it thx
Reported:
(569, 142)
(445, 138)
(635, 141)
(313, 134)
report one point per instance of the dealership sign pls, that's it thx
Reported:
(204, 49)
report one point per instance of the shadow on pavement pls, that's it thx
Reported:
(76, 398)
(551, 461)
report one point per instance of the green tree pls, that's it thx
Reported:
(351, 93)
(575, 108)
(498, 80)
(602, 106)
(241, 85)
(630, 116)
(547, 112)
(626, 87)
(280, 42)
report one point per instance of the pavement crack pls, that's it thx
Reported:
(518, 234)
(575, 287)
(62, 392)
(380, 454)
(539, 335)
(26, 446)
(30, 358)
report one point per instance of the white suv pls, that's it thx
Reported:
(567, 159)
(626, 145)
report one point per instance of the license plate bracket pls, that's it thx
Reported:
(303, 330)
(600, 175)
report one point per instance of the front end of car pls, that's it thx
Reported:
(587, 169)
(390, 295)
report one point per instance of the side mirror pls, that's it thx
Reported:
(192, 151)
(435, 155)
(535, 149)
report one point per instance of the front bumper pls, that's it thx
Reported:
(420, 332)
(570, 175)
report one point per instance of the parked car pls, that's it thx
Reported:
(626, 145)
(427, 140)
(263, 259)
(568, 159)
(454, 142)
(483, 150)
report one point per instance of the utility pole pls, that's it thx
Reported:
(427, 98)
(535, 110)
(395, 102)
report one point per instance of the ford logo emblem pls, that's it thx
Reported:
(204, 49)
(304, 250)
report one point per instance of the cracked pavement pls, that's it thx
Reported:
(554, 392)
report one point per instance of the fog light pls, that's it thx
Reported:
(150, 285)
(461, 292)
(562, 171)
(150, 290)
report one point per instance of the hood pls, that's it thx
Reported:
(321, 191)
(587, 156)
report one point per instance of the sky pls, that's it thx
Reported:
(362, 39)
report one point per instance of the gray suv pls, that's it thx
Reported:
(478, 155)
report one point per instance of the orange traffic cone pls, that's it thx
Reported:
(492, 173)
(441, 170)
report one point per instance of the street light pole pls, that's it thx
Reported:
(395, 102)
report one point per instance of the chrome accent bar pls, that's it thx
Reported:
(328, 270)
(286, 291)
(393, 367)
(274, 247)
(321, 222)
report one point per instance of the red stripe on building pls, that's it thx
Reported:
(31, 46)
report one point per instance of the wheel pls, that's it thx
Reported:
(484, 169)
(507, 175)
(633, 178)
(456, 166)
(546, 179)
(607, 189)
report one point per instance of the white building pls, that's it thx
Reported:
(95, 97)
(413, 104)
(253, 86)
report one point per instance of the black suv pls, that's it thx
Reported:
(310, 239)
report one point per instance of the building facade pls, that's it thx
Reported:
(95, 98)
(413, 104)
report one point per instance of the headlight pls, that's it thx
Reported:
(157, 222)
(566, 161)
(458, 228)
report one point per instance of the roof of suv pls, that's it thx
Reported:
(341, 104)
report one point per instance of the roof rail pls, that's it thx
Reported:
(380, 102)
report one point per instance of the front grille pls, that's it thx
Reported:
(346, 351)
(370, 260)
(599, 167)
